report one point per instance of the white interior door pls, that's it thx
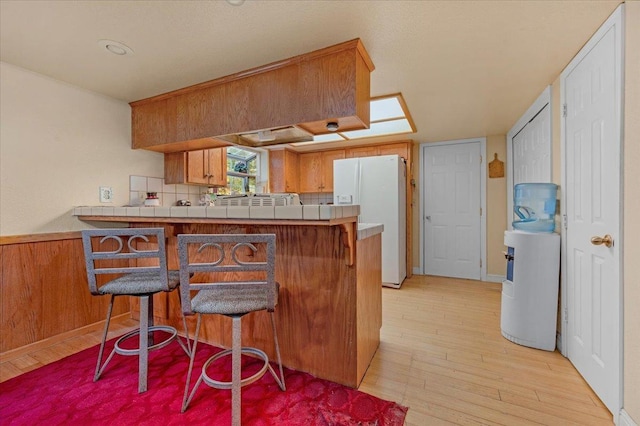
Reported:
(592, 94)
(529, 148)
(452, 210)
(532, 150)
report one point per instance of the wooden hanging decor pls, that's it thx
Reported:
(496, 167)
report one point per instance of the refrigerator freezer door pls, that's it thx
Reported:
(346, 175)
(378, 186)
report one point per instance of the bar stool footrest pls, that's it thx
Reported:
(248, 380)
(173, 335)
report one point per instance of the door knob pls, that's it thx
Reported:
(607, 240)
(428, 218)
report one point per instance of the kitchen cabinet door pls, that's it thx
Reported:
(364, 151)
(327, 168)
(316, 170)
(203, 167)
(310, 172)
(195, 110)
(291, 171)
(401, 149)
(153, 123)
(198, 167)
(284, 171)
(217, 169)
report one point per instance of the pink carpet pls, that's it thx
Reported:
(63, 393)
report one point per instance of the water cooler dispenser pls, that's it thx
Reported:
(530, 291)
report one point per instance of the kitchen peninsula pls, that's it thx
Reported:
(329, 311)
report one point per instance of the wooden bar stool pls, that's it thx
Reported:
(239, 270)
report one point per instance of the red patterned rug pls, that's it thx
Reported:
(63, 393)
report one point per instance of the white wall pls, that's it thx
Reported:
(58, 144)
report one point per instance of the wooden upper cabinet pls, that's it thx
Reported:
(196, 112)
(400, 148)
(204, 167)
(364, 151)
(309, 90)
(284, 171)
(338, 85)
(218, 166)
(154, 123)
(310, 172)
(316, 170)
(197, 167)
(327, 167)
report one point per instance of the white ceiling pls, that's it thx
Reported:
(465, 68)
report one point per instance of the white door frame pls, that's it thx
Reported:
(531, 113)
(483, 200)
(615, 20)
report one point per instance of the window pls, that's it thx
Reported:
(242, 170)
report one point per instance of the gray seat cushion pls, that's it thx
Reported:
(231, 301)
(139, 283)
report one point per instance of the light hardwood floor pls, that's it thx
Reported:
(441, 354)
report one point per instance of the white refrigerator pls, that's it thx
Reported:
(378, 185)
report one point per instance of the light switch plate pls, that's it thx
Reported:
(106, 194)
(344, 199)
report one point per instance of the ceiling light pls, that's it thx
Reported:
(115, 47)
(235, 2)
(266, 136)
(332, 126)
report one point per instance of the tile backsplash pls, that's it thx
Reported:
(169, 194)
(317, 198)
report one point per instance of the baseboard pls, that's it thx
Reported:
(625, 419)
(50, 341)
(391, 285)
(494, 278)
(559, 343)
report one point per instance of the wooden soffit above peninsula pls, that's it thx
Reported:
(293, 97)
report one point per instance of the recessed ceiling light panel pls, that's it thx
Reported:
(115, 47)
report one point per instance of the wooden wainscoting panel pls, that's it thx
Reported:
(44, 292)
(22, 321)
(3, 325)
(369, 305)
(55, 271)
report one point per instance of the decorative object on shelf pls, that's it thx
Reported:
(240, 167)
(496, 167)
(152, 199)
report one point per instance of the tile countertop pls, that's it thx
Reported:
(306, 212)
(366, 230)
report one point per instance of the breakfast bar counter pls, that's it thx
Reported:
(329, 309)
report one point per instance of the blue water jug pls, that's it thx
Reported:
(534, 206)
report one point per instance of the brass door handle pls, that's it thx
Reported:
(607, 240)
